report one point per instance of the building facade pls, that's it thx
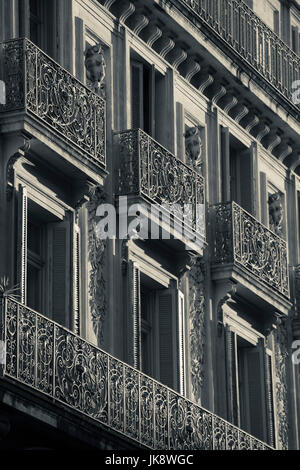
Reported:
(123, 111)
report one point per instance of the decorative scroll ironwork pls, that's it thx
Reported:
(250, 37)
(148, 169)
(41, 87)
(51, 359)
(243, 240)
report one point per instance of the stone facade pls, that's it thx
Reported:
(157, 337)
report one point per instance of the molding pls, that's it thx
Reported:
(97, 260)
(197, 323)
(281, 382)
(190, 68)
(230, 290)
(164, 45)
(151, 34)
(145, 263)
(176, 56)
(206, 79)
(138, 22)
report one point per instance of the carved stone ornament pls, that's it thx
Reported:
(21, 153)
(97, 257)
(95, 68)
(193, 147)
(197, 326)
(185, 261)
(275, 213)
(231, 289)
(281, 358)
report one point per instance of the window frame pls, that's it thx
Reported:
(27, 189)
(139, 263)
(235, 327)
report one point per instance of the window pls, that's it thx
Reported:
(42, 25)
(48, 261)
(142, 97)
(295, 39)
(147, 328)
(237, 168)
(249, 384)
(276, 22)
(148, 95)
(156, 329)
(35, 7)
(35, 263)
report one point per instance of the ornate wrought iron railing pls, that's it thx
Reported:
(250, 37)
(38, 85)
(241, 239)
(149, 169)
(54, 361)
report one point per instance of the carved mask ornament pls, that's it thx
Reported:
(193, 146)
(95, 65)
(275, 213)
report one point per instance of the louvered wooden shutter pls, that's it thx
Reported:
(269, 397)
(137, 108)
(256, 392)
(152, 100)
(231, 376)
(76, 279)
(134, 316)
(22, 243)
(170, 307)
(60, 271)
(181, 343)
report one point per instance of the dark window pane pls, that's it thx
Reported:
(34, 238)
(33, 287)
(34, 7)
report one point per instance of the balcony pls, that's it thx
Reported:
(53, 107)
(246, 250)
(65, 369)
(149, 173)
(233, 22)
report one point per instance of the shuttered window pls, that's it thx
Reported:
(48, 262)
(249, 386)
(42, 24)
(137, 91)
(143, 97)
(156, 331)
